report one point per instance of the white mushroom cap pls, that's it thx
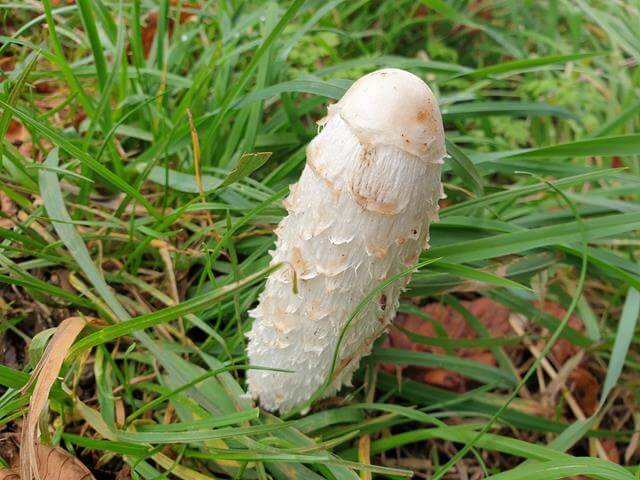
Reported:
(394, 107)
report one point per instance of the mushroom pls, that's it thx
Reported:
(359, 215)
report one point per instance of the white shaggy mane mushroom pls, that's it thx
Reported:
(359, 215)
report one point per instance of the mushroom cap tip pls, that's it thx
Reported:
(395, 107)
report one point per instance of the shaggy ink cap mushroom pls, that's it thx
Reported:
(394, 107)
(359, 214)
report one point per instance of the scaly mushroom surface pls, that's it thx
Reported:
(359, 214)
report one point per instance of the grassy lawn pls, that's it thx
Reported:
(146, 150)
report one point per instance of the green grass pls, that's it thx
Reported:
(117, 216)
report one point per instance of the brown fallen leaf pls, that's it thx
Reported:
(443, 378)
(124, 474)
(7, 64)
(54, 463)
(17, 133)
(46, 86)
(149, 30)
(613, 454)
(8, 208)
(585, 388)
(563, 349)
(491, 314)
(44, 375)
(8, 474)
(616, 162)
(19, 137)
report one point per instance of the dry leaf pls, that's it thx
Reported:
(563, 349)
(495, 318)
(7, 64)
(46, 86)
(20, 137)
(9, 208)
(610, 447)
(444, 378)
(8, 474)
(124, 474)
(54, 463)
(149, 30)
(492, 315)
(16, 133)
(585, 388)
(635, 440)
(44, 375)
